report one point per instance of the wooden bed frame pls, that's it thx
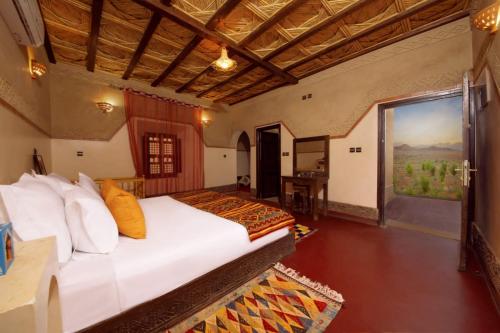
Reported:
(172, 308)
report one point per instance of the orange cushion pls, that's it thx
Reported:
(126, 212)
(106, 186)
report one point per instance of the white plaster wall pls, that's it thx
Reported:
(100, 159)
(353, 176)
(17, 140)
(243, 163)
(220, 166)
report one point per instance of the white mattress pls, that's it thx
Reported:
(182, 244)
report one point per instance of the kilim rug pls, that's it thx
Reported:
(279, 300)
(302, 231)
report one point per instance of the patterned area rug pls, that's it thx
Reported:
(279, 300)
(302, 231)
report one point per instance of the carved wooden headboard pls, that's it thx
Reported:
(136, 186)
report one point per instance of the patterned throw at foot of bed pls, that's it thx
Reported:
(258, 219)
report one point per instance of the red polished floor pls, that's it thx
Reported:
(394, 280)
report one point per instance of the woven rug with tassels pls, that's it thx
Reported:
(279, 300)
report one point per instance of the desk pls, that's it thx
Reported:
(316, 184)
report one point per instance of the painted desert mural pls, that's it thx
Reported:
(428, 149)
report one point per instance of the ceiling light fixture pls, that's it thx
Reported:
(37, 69)
(488, 19)
(104, 107)
(224, 63)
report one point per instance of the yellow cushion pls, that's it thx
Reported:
(126, 211)
(106, 186)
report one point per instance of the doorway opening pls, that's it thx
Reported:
(243, 163)
(422, 165)
(268, 145)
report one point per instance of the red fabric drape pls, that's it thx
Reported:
(146, 113)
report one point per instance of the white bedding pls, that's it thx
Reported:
(182, 244)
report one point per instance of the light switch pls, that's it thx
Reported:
(79, 153)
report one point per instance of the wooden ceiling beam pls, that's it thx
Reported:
(181, 56)
(196, 77)
(259, 93)
(198, 28)
(275, 19)
(419, 30)
(393, 19)
(94, 33)
(326, 23)
(221, 13)
(250, 86)
(278, 16)
(146, 37)
(229, 79)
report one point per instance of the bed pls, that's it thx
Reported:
(190, 258)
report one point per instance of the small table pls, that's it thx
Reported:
(316, 183)
(29, 300)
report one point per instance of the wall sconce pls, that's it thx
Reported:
(488, 19)
(37, 69)
(104, 107)
(206, 122)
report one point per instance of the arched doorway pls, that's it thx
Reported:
(243, 162)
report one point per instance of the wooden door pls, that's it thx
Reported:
(468, 167)
(270, 164)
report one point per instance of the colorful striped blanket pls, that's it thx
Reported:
(258, 219)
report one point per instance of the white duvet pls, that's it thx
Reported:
(182, 244)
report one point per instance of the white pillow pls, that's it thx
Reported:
(90, 222)
(36, 211)
(55, 184)
(60, 178)
(88, 183)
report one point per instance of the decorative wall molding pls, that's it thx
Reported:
(489, 262)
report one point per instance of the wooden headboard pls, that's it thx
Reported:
(136, 186)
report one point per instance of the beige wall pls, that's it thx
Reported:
(220, 166)
(17, 140)
(29, 98)
(112, 158)
(243, 163)
(488, 137)
(100, 159)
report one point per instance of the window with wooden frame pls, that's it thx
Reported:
(161, 155)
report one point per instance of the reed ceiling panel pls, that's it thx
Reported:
(201, 10)
(280, 39)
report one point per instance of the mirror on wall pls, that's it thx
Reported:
(311, 156)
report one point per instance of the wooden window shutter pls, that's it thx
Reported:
(161, 155)
(152, 155)
(169, 154)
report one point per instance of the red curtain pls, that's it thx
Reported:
(150, 113)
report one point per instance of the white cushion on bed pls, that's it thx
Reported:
(92, 227)
(88, 183)
(57, 184)
(36, 211)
